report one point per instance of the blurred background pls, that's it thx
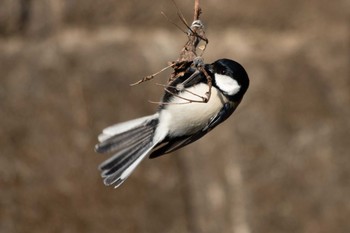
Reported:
(280, 164)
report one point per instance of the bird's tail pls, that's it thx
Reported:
(132, 141)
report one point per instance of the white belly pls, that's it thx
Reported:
(183, 118)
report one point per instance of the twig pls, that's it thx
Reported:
(188, 54)
(197, 10)
(149, 77)
(169, 20)
(189, 51)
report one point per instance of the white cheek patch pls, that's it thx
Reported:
(227, 84)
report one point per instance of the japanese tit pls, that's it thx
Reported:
(182, 118)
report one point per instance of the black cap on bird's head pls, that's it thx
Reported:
(230, 77)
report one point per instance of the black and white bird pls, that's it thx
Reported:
(182, 118)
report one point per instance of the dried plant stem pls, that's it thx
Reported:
(188, 54)
(149, 77)
(197, 10)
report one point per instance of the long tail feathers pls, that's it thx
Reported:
(133, 141)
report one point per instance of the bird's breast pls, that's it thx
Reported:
(182, 116)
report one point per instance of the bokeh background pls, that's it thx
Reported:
(280, 164)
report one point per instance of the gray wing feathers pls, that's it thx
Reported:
(118, 169)
(124, 140)
(124, 127)
(133, 141)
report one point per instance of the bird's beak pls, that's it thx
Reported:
(210, 68)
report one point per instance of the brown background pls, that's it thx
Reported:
(280, 164)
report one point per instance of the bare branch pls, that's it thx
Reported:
(149, 77)
(172, 22)
(188, 54)
(197, 10)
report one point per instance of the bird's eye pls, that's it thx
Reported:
(222, 71)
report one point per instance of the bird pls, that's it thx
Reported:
(184, 115)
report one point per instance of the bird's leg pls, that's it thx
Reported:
(199, 64)
(210, 83)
